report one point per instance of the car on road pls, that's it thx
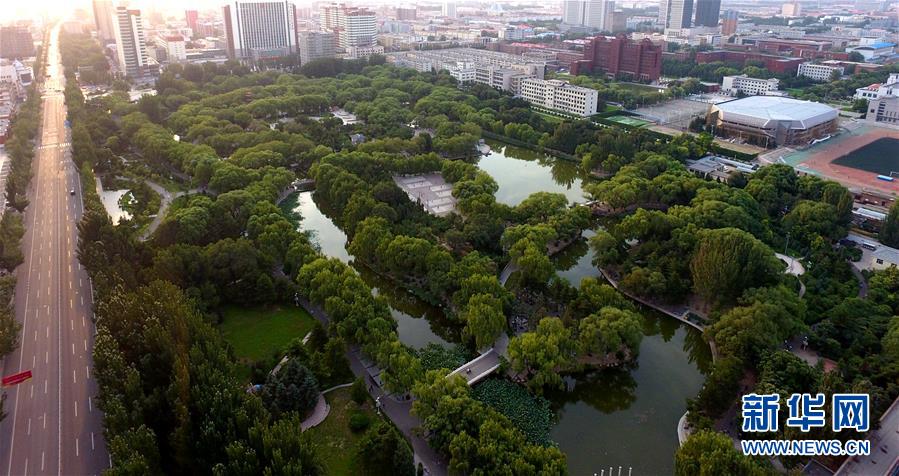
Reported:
(72, 192)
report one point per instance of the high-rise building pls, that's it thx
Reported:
(598, 14)
(406, 13)
(103, 13)
(16, 42)
(620, 56)
(792, 9)
(573, 12)
(353, 26)
(316, 44)
(707, 12)
(260, 29)
(449, 9)
(679, 14)
(174, 47)
(191, 17)
(729, 24)
(131, 44)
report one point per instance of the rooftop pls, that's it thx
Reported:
(762, 109)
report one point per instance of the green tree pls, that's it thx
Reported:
(383, 451)
(541, 354)
(293, 388)
(484, 320)
(708, 453)
(889, 231)
(728, 261)
(611, 330)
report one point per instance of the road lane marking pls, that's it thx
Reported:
(45, 422)
(92, 441)
(46, 357)
(42, 457)
(73, 349)
(85, 345)
(76, 408)
(87, 372)
(29, 428)
(76, 445)
(45, 392)
(32, 393)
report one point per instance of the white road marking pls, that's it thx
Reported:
(31, 392)
(46, 357)
(45, 391)
(29, 427)
(76, 446)
(92, 441)
(76, 409)
(90, 405)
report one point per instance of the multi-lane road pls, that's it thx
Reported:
(53, 425)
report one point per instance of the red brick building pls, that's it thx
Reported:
(614, 56)
(775, 64)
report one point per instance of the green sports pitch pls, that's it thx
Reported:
(628, 121)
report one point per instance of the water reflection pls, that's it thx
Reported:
(418, 323)
(520, 172)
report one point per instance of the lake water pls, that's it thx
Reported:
(418, 323)
(619, 417)
(616, 417)
(520, 172)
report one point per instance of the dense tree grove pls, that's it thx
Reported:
(169, 383)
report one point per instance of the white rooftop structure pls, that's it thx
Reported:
(763, 111)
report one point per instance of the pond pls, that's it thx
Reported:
(418, 323)
(628, 417)
(520, 172)
(111, 201)
(613, 417)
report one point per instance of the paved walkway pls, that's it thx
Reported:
(398, 410)
(166, 199)
(318, 415)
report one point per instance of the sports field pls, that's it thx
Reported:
(628, 121)
(854, 158)
(880, 157)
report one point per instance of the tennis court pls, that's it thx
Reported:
(628, 121)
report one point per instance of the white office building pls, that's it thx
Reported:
(498, 70)
(560, 96)
(357, 27)
(818, 72)
(879, 90)
(260, 29)
(358, 52)
(885, 109)
(174, 47)
(676, 14)
(748, 86)
(573, 12)
(316, 44)
(131, 44)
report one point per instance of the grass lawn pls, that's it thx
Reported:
(258, 331)
(549, 117)
(335, 443)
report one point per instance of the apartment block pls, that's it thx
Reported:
(614, 56)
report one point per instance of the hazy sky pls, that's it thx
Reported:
(35, 9)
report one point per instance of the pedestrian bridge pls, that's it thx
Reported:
(485, 364)
(477, 369)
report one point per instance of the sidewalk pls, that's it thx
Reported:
(399, 411)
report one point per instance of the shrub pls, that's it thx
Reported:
(358, 392)
(359, 422)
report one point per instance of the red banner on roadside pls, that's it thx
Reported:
(16, 379)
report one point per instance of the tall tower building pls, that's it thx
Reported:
(598, 14)
(131, 44)
(16, 42)
(449, 9)
(191, 17)
(103, 13)
(707, 12)
(573, 12)
(677, 13)
(729, 24)
(357, 27)
(260, 29)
